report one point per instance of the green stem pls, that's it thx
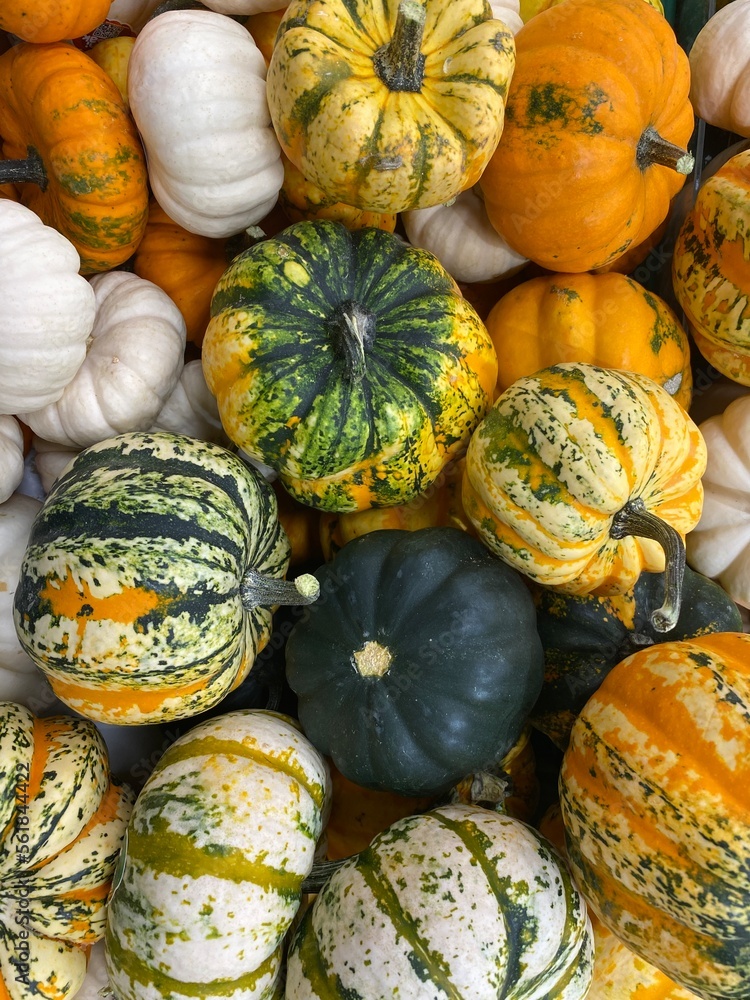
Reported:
(28, 171)
(635, 519)
(653, 149)
(321, 872)
(353, 330)
(400, 63)
(259, 591)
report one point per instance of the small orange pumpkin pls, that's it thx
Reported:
(52, 20)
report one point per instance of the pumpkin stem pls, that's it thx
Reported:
(653, 149)
(373, 660)
(28, 171)
(635, 519)
(321, 872)
(399, 63)
(259, 591)
(353, 333)
(487, 789)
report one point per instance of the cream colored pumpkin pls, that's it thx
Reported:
(463, 239)
(46, 310)
(11, 455)
(243, 6)
(720, 69)
(191, 409)
(51, 460)
(133, 13)
(134, 360)
(509, 12)
(197, 91)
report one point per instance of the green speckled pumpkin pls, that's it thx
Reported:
(347, 361)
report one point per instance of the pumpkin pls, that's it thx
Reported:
(263, 26)
(191, 409)
(596, 124)
(509, 12)
(420, 663)
(459, 902)
(301, 526)
(585, 637)
(51, 460)
(717, 546)
(51, 20)
(63, 818)
(530, 8)
(462, 238)
(574, 474)
(710, 271)
(113, 55)
(655, 798)
(197, 91)
(73, 150)
(390, 107)
(132, 14)
(348, 362)
(720, 69)
(44, 330)
(149, 577)
(221, 838)
(11, 456)
(607, 320)
(133, 362)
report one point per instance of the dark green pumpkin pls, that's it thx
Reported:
(585, 637)
(349, 362)
(420, 661)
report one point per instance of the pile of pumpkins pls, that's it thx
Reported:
(328, 358)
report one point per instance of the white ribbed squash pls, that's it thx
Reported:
(11, 455)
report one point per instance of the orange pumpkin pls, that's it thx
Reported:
(263, 27)
(300, 524)
(51, 20)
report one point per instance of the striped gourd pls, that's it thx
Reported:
(149, 577)
(580, 477)
(62, 822)
(348, 362)
(456, 903)
(220, 840)
(655, 798)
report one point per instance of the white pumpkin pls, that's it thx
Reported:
(462, 238)
(96, 979)
(509, 12)
(197, 91)
(46, 310)
(243, 6)
(51, 460)
(133, 363)
(720, 69)
(134, 13)
(11, 456)
(192, 409)
(719, 545)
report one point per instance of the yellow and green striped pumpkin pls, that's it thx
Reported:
(149, 578)
(655, 798)
(460, 902)
(573, 466)
(62, 823)
(348, 362)
(221, 838)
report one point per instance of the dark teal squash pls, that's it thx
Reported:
(420, 661)
(585, 637)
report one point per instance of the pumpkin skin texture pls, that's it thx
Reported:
(572, 185)
(710, 272)
(221, 837)
(138, 616)
(560, 457)
(56, 100)
(11, 455)
(459, 902)
(655, 798)
(607, 320)
(348, 362)
(415, 626)
(720, 69)
(381, 132)
(585, 637)
(51, 20)
(63, 820)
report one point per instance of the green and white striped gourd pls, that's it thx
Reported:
(460, 903)
(221, 837)
(149, 578)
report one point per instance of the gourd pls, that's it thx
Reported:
(51, 460)
(11, 456)
(149, 577)
(460, 902)
(710, 275)
(390, 107)
(197, 91)
(51, 20)
(63, 818)
(133, 362)
(655, 798)
(421, 664)
(73, 151)
(191, 409)
(348, 362)
(607, 320)
(113, 55)
(584, 637)
(573, 475)
(220, 840)
(594, 142)
(43, 332)
(720, 69)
